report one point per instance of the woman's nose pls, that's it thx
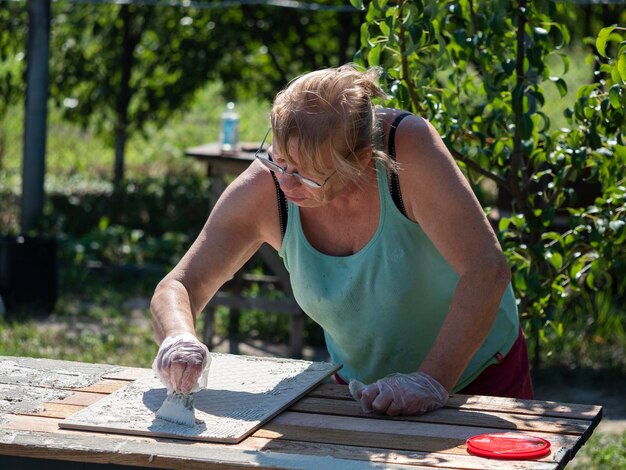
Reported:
(287, 181)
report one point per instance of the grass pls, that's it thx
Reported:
(603, 452)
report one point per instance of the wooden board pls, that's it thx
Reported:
(242, 394)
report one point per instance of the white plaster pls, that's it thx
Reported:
(51, 373)
(243, 392)
(15, 398)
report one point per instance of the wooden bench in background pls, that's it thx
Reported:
(233, 296)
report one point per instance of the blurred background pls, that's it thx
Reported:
(130, 87)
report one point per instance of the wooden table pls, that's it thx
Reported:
(222, 166)
(323, 430)
(221, 169)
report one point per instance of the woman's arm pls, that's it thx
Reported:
(438, 197)
(244, 217)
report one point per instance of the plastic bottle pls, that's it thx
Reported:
(229, 131)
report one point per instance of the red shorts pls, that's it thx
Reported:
(510, 377)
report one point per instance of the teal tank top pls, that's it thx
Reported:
(382, 307)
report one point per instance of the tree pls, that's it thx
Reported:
(476, 68)
(118, 67)
(277, 44)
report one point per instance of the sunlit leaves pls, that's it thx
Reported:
(461, 68)
(603, 38)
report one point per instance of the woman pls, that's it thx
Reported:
(386, 245)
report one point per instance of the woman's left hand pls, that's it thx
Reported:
(400, 394)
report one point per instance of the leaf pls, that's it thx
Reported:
(615, 75)
(602, 39)
(103, 223)
(621, 66)
(586, 90)
(504, 224)
(566, 63)
(620, 151)
(517, 98)
(555, 259)
(519, 220)
(560, 84)
(614, 97)
(358, 4)
(373, 56)
(379, 4)
(385, 27)
(564, 33)
(617, 225)
(365, 35)
(526, 126)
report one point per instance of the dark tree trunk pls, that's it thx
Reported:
(36, 113)
(130, 39)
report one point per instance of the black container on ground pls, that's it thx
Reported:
(28, 274)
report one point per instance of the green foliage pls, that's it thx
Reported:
(602, 451)
(477, 70)
(119, 68)
(169, 54)
(153, 205)
(12, 54)
(274, 45)
(12, 64)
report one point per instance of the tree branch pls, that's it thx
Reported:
(405, 65)
(473, 16)
(472, 165)
(517, 176)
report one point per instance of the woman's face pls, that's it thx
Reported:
(300, 193)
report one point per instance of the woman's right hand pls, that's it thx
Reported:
(182, 364)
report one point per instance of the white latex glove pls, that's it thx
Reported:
(182, 364)
(400, 394)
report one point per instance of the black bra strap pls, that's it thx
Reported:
(282, 206)
(395, 182)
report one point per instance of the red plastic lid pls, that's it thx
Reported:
(508, 445)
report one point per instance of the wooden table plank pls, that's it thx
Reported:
(259, 444)
(79, 398)
(59, 410)
(399, 435)
(476, 402)
(168, 454)
(105, 386)
(464, 417)
(26, 399)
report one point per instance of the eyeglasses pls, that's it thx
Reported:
(273, 166)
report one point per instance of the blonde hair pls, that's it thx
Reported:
(329, 114)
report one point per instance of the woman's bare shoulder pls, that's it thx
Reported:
(251, 203)
(412, 126)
